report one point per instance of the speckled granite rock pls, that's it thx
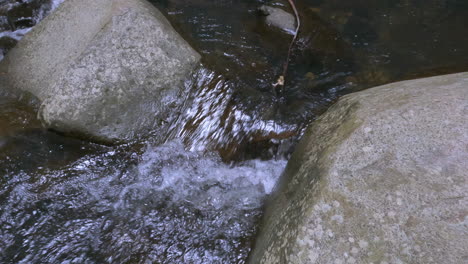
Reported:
(109, 70)
(379, 178)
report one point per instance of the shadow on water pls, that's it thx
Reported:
(66, 200)
(33, 149)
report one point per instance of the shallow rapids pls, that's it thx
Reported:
(63, 200)
(167, 206)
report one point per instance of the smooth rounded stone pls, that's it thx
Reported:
(107, 70)
(279, 18)
(381, 177)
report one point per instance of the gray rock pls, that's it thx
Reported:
(379, 178)
(279, 18)
(110, 70)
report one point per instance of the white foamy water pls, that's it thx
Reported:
(242, 186)
(56, 3)
(17, 34)
(168, 205)
(212, 120)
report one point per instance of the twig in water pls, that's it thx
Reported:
(281, 79)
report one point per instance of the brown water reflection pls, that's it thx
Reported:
(342, 47)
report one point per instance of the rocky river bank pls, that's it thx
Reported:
(196, 136)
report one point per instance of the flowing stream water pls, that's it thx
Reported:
(166, 205)
(199, 197)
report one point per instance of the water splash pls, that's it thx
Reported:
(214, 120)
(17, 34)
(56, 3)
(168, 205)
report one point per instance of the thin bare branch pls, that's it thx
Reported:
(298, 25)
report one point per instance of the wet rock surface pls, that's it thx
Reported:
(279, 18)
(379, 178)
(116, 55)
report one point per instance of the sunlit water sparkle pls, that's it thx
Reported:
(168, 206)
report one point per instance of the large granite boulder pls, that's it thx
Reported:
(109, 70)
(379, 178)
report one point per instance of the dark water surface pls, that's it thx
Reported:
(343, 46)
(64, 200)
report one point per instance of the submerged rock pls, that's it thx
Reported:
(279, 18)
(381, 177)
(34, 150)
(109, 70)
(6, 43)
